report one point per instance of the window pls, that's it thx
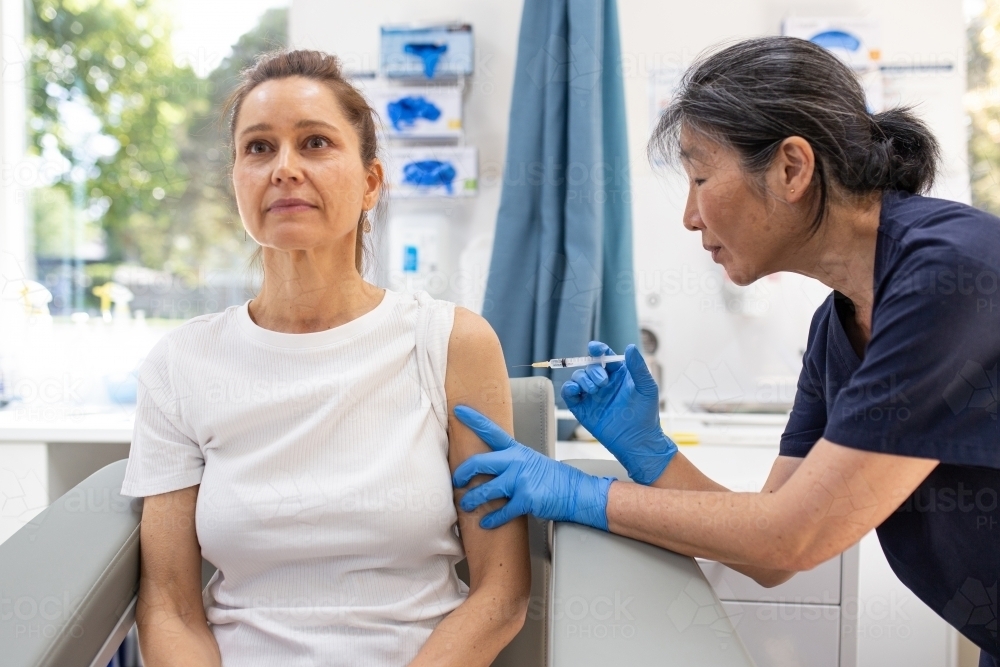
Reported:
(120, 210)
(131, 197)
(983, 103)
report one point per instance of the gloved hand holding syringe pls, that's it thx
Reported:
(618, 404)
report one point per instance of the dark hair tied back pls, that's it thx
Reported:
(904, 152)
(753, 95)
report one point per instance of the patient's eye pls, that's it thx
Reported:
(317, 142)
(256, 147)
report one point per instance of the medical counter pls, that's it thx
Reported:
(63, 445)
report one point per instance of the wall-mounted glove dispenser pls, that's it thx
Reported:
(429, 52)
(427, 112)
(436, 171)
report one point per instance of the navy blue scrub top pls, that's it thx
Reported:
(926, 387)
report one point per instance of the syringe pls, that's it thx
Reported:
(572, 362)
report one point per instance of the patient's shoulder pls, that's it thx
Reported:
(475, 358)
(472, 336)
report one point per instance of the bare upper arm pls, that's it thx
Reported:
(477, 377)
(170, 572)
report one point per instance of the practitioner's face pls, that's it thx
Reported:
(749, 233)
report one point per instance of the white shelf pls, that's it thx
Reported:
(66, 424)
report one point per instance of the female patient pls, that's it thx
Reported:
(304, 441)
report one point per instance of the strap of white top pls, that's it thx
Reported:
(434, 323)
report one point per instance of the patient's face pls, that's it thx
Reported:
(298, 176)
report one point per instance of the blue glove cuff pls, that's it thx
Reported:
(592, 504)
(648, 461)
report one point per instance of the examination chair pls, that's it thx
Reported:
(69, 578)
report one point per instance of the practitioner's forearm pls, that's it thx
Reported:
(735, 528)
(682, 475)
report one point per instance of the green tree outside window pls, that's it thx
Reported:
(132, 158)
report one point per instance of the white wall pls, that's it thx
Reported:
(351, 30)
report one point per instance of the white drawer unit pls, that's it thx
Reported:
(808, 621)
(784, 635)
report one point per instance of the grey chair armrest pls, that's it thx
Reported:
(617, 601)
(68, 579)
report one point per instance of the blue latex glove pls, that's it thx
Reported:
(620, 407)
(429, 174)
(534, 483)
(405, 111)
(429, 53)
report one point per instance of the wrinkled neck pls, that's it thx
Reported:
(311, 290)
(841, 255)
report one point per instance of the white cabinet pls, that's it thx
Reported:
(802, 622)
(779, 635)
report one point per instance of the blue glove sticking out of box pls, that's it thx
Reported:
(404, 112)
(429, 53)
(429, 174)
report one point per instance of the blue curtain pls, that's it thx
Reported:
(561, 272)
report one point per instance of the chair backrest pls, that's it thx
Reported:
(71, 576)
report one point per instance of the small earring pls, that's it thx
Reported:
(366, 226)
(793, 189)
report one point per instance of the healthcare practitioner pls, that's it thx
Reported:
(894, 425)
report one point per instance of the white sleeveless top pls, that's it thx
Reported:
(326, 498)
